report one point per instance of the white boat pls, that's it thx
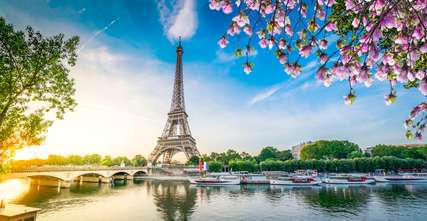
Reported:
(296, 181)
(349, 180)
(254, 179)
(217, 180)
(406, 178)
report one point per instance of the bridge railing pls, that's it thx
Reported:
(73, 168)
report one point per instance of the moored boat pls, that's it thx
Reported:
(217, 180)
(349, 180)
(254, 179)
(406, 178)
(296, 181)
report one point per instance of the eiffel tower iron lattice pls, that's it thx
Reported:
(176, 136)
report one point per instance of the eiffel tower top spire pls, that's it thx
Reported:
(178, 104)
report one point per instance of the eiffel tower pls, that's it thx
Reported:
(176, 136)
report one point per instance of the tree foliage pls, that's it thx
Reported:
(324, 149)
(215, 166)
(34, 82)
(194, 160)
(273, 153)
(400, 151)
(139, 161)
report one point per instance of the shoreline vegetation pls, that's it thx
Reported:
(323, 156)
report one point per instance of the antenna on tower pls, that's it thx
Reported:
(179, 41)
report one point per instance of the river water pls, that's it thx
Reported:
(178, 200)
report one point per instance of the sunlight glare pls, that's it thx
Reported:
(12, 189)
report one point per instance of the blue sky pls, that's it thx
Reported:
(125, 72)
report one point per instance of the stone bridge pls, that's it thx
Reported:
(64, 176)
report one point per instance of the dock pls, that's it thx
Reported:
(14, 212)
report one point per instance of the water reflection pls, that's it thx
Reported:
(173, 200)
(348, 199)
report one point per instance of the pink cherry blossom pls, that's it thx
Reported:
(323, 58)
(365, 20)
(227, 8)
(349, 5)
(339, 71)
(248, 30)
(388, 59)
(282, 58)
(321, 14)
(305, 50)
(247, 68)
(223, 42)
(288, 30)
(355, 22)
(402, 40)
(423, 88)
(402, 77)
(418, 32)
(241, 20)
(378, 5)
(420, 75)
(331, 27)
(268, 9)
(389, 21)
(323, 44)
(263, 43)
(282, 44)
(214, 5)
(292, 69)
(423, 48)
(270, 43)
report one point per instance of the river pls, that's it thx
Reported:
(178, 200)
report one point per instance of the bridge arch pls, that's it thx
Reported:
(86, 173)
(139, 172)
(48, 176)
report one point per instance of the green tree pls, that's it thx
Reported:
(267, 153)
(273, 153)
(194, 160)
(355, 154)
(75, 160)
(92, 159)
(117, 161)
(284, 155)
(107, 161)
(215, 166)
(34, 81)
(246, 156)
(324, 149)
(56, 160)
(139, 161)
(382, 150)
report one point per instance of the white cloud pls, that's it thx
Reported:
(81, 11)
(180, 21)
(97, 33)
(265, 94)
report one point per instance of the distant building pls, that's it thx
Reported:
(296, 150)
(369, 149)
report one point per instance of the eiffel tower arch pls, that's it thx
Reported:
(176, 136)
